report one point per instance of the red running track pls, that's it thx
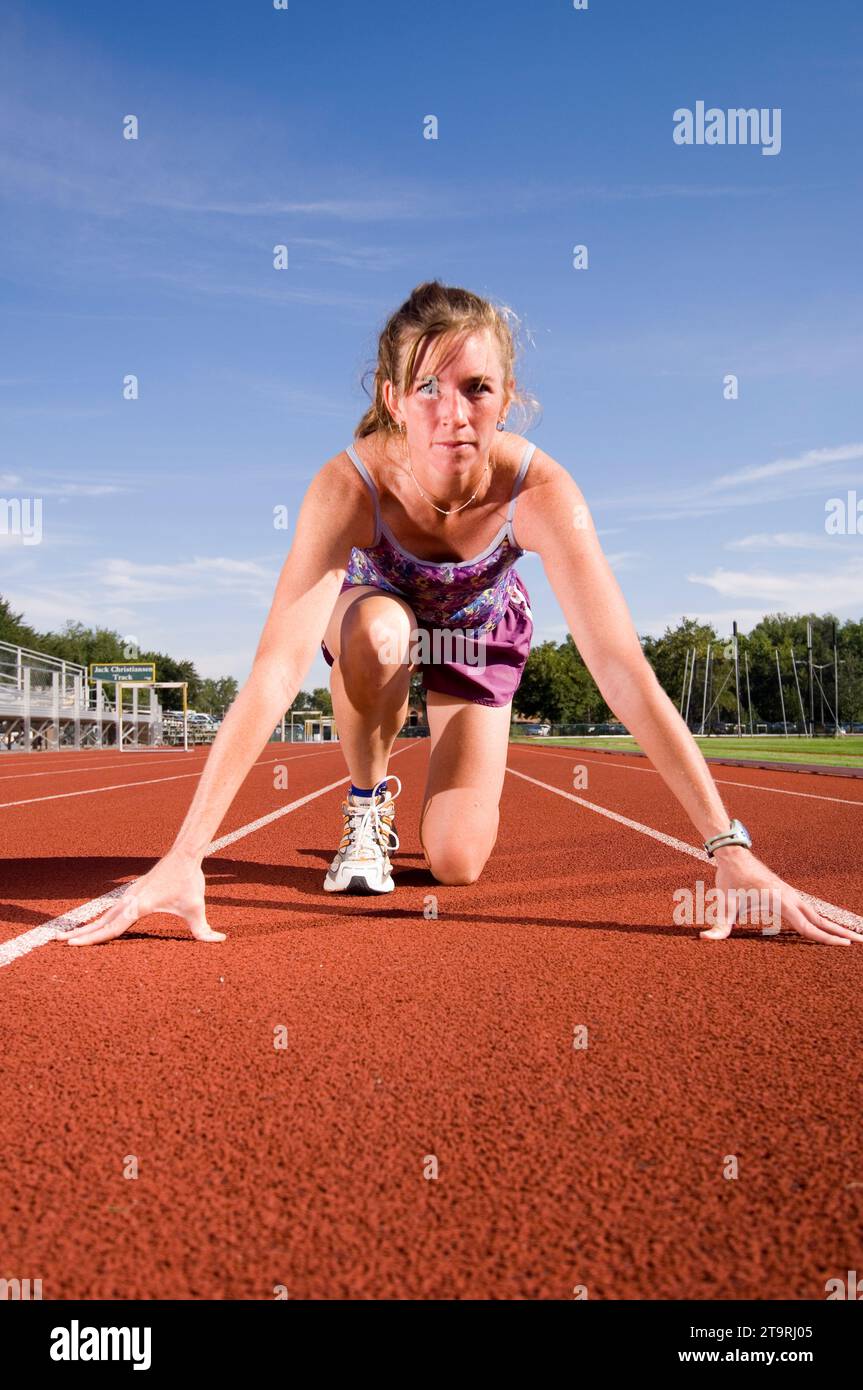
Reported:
(416, 1043)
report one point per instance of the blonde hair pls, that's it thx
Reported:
(431, 311)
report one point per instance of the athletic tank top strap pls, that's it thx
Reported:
(519, 479)
(364, 473)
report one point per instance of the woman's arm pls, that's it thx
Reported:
(336, 514)
(553, 519)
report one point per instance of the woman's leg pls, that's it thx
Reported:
(370, 695)
(460, 819)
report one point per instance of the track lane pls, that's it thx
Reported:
(411, 1036)
(59, 854)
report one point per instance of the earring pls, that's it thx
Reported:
(501, 425)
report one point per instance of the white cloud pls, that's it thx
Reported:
(783, 540)
(48, 609)
(798, 591)
(188, 579)
(812, 458)
(84, 489)
(624, 559)
(761, 485)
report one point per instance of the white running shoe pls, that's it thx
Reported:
(362, 863)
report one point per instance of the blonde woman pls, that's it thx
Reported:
(412, 533)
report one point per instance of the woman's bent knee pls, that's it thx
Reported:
(454, 864)
(461, 859)
(378, 633)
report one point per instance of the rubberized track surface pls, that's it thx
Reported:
(410, 1037)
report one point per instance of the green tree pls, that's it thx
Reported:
(13, 628)
(668, 657)
(322, 700)
(557, 686)
(214, 696)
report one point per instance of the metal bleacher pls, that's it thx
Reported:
(47, 703)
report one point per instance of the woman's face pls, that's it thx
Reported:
(457, 395)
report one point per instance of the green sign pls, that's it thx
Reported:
(122, 671)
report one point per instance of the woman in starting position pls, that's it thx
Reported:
(403, 559)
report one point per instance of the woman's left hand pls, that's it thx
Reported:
(738, 869)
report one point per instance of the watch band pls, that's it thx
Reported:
(736, 834)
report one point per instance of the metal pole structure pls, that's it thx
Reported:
(781, 693)
(683, 687)
(706, 678)
(691, 683)
(737, 680)
(797, 683)
(835, 683)
(691, 679)
(811, 681)
(27, 709)
(748, 692)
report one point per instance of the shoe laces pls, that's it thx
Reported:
(368, 829)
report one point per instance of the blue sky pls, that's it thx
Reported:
(304, 127)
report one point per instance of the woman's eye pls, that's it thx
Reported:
(478, 386)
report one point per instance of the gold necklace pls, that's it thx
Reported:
(444, 511)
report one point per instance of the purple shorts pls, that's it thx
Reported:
(503, 652)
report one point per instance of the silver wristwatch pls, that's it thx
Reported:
(736, 834)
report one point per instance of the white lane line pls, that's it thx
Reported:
(94, 791)
(49, 931)
(144, 782)
(723, 781)
(65, 762)
(143, 758)
(838, 914)
(86, 767)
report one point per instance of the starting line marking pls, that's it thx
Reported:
(837, 914)
(39, 936)
(76, 916)
(724, 781)
(144, 782)
(86, 767)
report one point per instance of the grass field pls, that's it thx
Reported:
(829, 752)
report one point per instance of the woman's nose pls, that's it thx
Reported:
(453, 406)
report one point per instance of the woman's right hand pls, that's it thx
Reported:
(176, 885)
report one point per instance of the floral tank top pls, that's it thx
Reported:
(471, 594)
